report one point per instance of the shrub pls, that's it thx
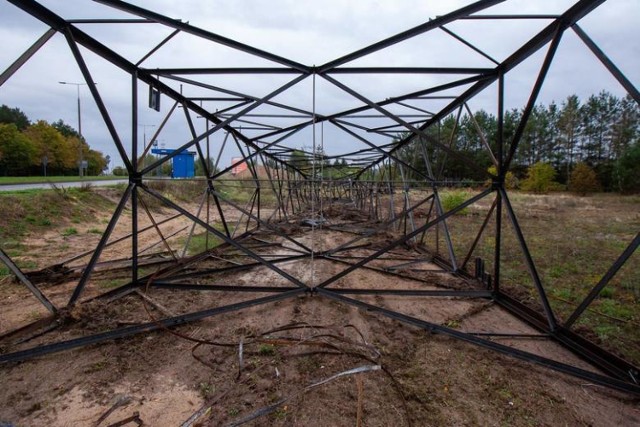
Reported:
(540, 178)
(510, 180)
(451, 199)
(120, 171)
(583, 180)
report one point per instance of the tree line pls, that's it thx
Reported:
(31, 149)
(602, 133)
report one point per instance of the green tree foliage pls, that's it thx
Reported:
(16, 152)
(62, 153)
(25, 148)
(65, 129)
(627, 170)
(96, 162)
(299, 160)
(15, 116)
(540, 178)
(597, 131)
(584, 180)
(199, 166)
(120, 171)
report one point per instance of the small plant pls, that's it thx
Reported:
(266, 350)
(233, 412)
(86, 188)
(453, 323)
(61, 191)
(452, 199)
(583, 180)
(606, 293)
(94, 231)
(540, 178)
(206, 390)
(280, 413)
(70, 231)
(112, 283)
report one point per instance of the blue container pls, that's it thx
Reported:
(183, 163)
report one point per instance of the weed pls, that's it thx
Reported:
(86, 188)
(557, 271)
(453, 199)
(280, 413)
(34, 315)
(266, 350)
(94, 231)
(606, 293)
(606, 332)
(199, 242)
(452, 324)
(233, 412)
(110, 284)
(70, 231)
(61, 191)
(615, 309)
(206, 390)
(505, 393)
(563, 293)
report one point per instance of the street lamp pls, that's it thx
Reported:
(80, 159)
(144, 138)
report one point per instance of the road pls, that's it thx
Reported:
(45, 185)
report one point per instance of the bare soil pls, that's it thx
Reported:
(288, 347)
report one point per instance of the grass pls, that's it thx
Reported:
(112, 283)
(266, 350)
(452, 198)
(206, 390)
(6, 180)
(23, 265)
(573, 241)
(198, 242)
(69, 231)
(33, 211)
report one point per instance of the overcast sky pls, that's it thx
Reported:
(309, 32)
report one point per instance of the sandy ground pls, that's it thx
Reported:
(288, 347)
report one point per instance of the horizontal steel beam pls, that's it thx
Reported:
(170, 322)
(592, 377)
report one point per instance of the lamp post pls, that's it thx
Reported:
(80, 158)
(144, 139)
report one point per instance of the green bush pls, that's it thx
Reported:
(452, 199)
(120, 171)
(583, 180)
(510, 180)
(540, 178)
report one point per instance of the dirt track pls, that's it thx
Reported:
(427, 379)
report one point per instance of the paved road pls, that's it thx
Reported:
(101, 183)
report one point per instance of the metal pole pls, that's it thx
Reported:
(80, 157)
